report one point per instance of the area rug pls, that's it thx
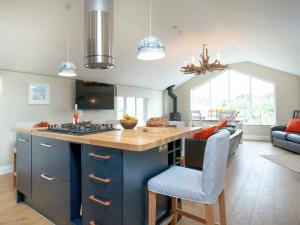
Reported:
(291, 162)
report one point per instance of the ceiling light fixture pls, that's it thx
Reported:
(67, 68)
(205, 66)
(151, 48)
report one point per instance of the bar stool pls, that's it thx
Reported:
(206, 187)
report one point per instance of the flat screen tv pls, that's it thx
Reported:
(92, 95)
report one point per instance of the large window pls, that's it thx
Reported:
(253, 97)
(132, 106)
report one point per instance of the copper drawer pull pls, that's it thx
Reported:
(92, 154)
(92, 176)
(92, 223)
(93, 198)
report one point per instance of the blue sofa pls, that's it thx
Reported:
(287, 140)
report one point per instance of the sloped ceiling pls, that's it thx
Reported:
(33, 36)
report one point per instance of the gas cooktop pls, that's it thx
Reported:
(80, 128)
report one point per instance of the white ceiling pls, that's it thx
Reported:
(33, 36)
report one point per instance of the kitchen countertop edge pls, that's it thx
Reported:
(131, 140)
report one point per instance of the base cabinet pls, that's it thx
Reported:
(23, 146)
(102, 185)
(109, 186)
(51, 179)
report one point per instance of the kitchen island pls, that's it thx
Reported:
(95, 179)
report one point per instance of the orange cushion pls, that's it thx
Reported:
(293, 126)
(205, 133)
(222, 124)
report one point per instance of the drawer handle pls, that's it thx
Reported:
(92, 154)
(22, 140)
(46, 177)
(93, 198)
(46, 145)
(92, 176)
(92, 223)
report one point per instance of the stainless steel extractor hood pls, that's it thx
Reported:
(98, 36)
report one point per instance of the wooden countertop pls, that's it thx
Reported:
(133, 140)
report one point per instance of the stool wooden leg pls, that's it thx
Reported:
(174, 207)
(14, 169)
(152, 208)
(209, 214)
(183, 162)
(222, 209)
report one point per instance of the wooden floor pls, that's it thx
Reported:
(258, 192)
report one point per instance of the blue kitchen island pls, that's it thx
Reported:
(97, 179)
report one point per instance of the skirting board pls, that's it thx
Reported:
(256, 137)
(6, 169)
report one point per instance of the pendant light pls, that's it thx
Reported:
(151, 48)
(67, 68)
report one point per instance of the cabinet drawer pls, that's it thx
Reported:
(110, 171)
(51, 156)
(93, 183)
(51, 197)
(102, 215)
(100, 155)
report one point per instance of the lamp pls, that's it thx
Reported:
(205, 66)
(151, 48)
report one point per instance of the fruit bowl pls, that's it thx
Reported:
(128, 124)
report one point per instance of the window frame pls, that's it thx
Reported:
(229, 95)
(135, 102)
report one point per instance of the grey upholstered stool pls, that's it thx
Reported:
(206, 187)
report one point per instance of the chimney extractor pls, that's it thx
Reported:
(174, 116)
(98, 34)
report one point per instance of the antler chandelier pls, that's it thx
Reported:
(191, 68)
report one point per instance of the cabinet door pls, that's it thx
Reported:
(23, 146)
(51, 197)
(51, 156)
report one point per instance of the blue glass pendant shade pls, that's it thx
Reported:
(151, 48)
(67, 69)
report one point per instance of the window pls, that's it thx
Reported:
(132, 106)
(252, 97)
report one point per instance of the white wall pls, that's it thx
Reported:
(14, 106)
(287, 93)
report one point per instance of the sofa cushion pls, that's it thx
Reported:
(293, 126)
(205, 132)
(294, 138)
(279, 134)
(222, 124)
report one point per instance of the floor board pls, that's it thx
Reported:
(258, 192)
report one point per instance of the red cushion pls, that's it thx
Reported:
(205, 133)
(222, 124)
(293, 126)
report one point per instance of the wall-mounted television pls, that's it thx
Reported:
(93, 95)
